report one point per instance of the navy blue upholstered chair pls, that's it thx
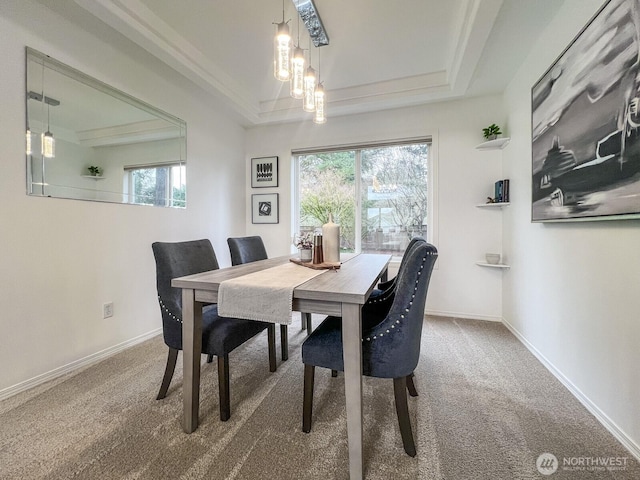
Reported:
(381, 299)
(251, 249)
(220, 335)
(390, 349)
(384, 286)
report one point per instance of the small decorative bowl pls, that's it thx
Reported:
(493, 258)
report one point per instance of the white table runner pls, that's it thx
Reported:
(266, 295)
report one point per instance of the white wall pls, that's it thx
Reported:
(572, 291)
(62, 259)
(465, 177)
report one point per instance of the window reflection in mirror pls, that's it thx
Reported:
(162, 185)
(75, 122)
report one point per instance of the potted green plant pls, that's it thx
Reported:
(491, 132)
(94, 171)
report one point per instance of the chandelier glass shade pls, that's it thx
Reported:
(282, 53)
(28, 141)
(309, 100)
(297, 73)
(320, 98)
(48, 145)
(47, 141)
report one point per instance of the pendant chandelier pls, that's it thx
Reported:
(47, 140)
(289, 62)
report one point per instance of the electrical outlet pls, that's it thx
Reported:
(107, 310)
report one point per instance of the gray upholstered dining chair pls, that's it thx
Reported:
(246, 249)
(220, 335)
(390, 349)
(251, 249)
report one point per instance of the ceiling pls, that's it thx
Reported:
(382, 54)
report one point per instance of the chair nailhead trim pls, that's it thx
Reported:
(415, 289)
(168, 312)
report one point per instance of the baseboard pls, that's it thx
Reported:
(469, 316)
(609, 424)
(70, 367)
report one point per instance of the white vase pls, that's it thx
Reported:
(305, 254)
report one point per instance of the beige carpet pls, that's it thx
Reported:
(487, 409)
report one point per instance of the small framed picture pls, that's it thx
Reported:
(264, 208)
(264, 172)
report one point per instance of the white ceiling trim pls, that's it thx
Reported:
(344, 101)
(139, 24)
(145, 131)
(476, 21)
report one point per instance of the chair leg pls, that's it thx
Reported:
(402, 409)
(411, 386)
(334, 373)
(209, 358)
(284, 342)
(307, 323)
(307, 404)
(168, 373)
(271, 340)
(223, 387)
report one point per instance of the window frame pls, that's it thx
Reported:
(169, 201)
(432, 184)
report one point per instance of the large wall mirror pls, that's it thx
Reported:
(86, 140)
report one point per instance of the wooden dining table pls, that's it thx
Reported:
(340, 293)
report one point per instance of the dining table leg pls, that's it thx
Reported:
(192, 349)
(352, 351)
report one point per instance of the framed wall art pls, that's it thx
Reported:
(585, 120)
(264, 208)
(264, 172)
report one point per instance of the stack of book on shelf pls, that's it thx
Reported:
(501, 191)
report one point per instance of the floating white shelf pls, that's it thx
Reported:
(95, 177)
(493, 265)
(493, 205)
(497, 144)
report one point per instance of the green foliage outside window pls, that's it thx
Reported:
(393, 196)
